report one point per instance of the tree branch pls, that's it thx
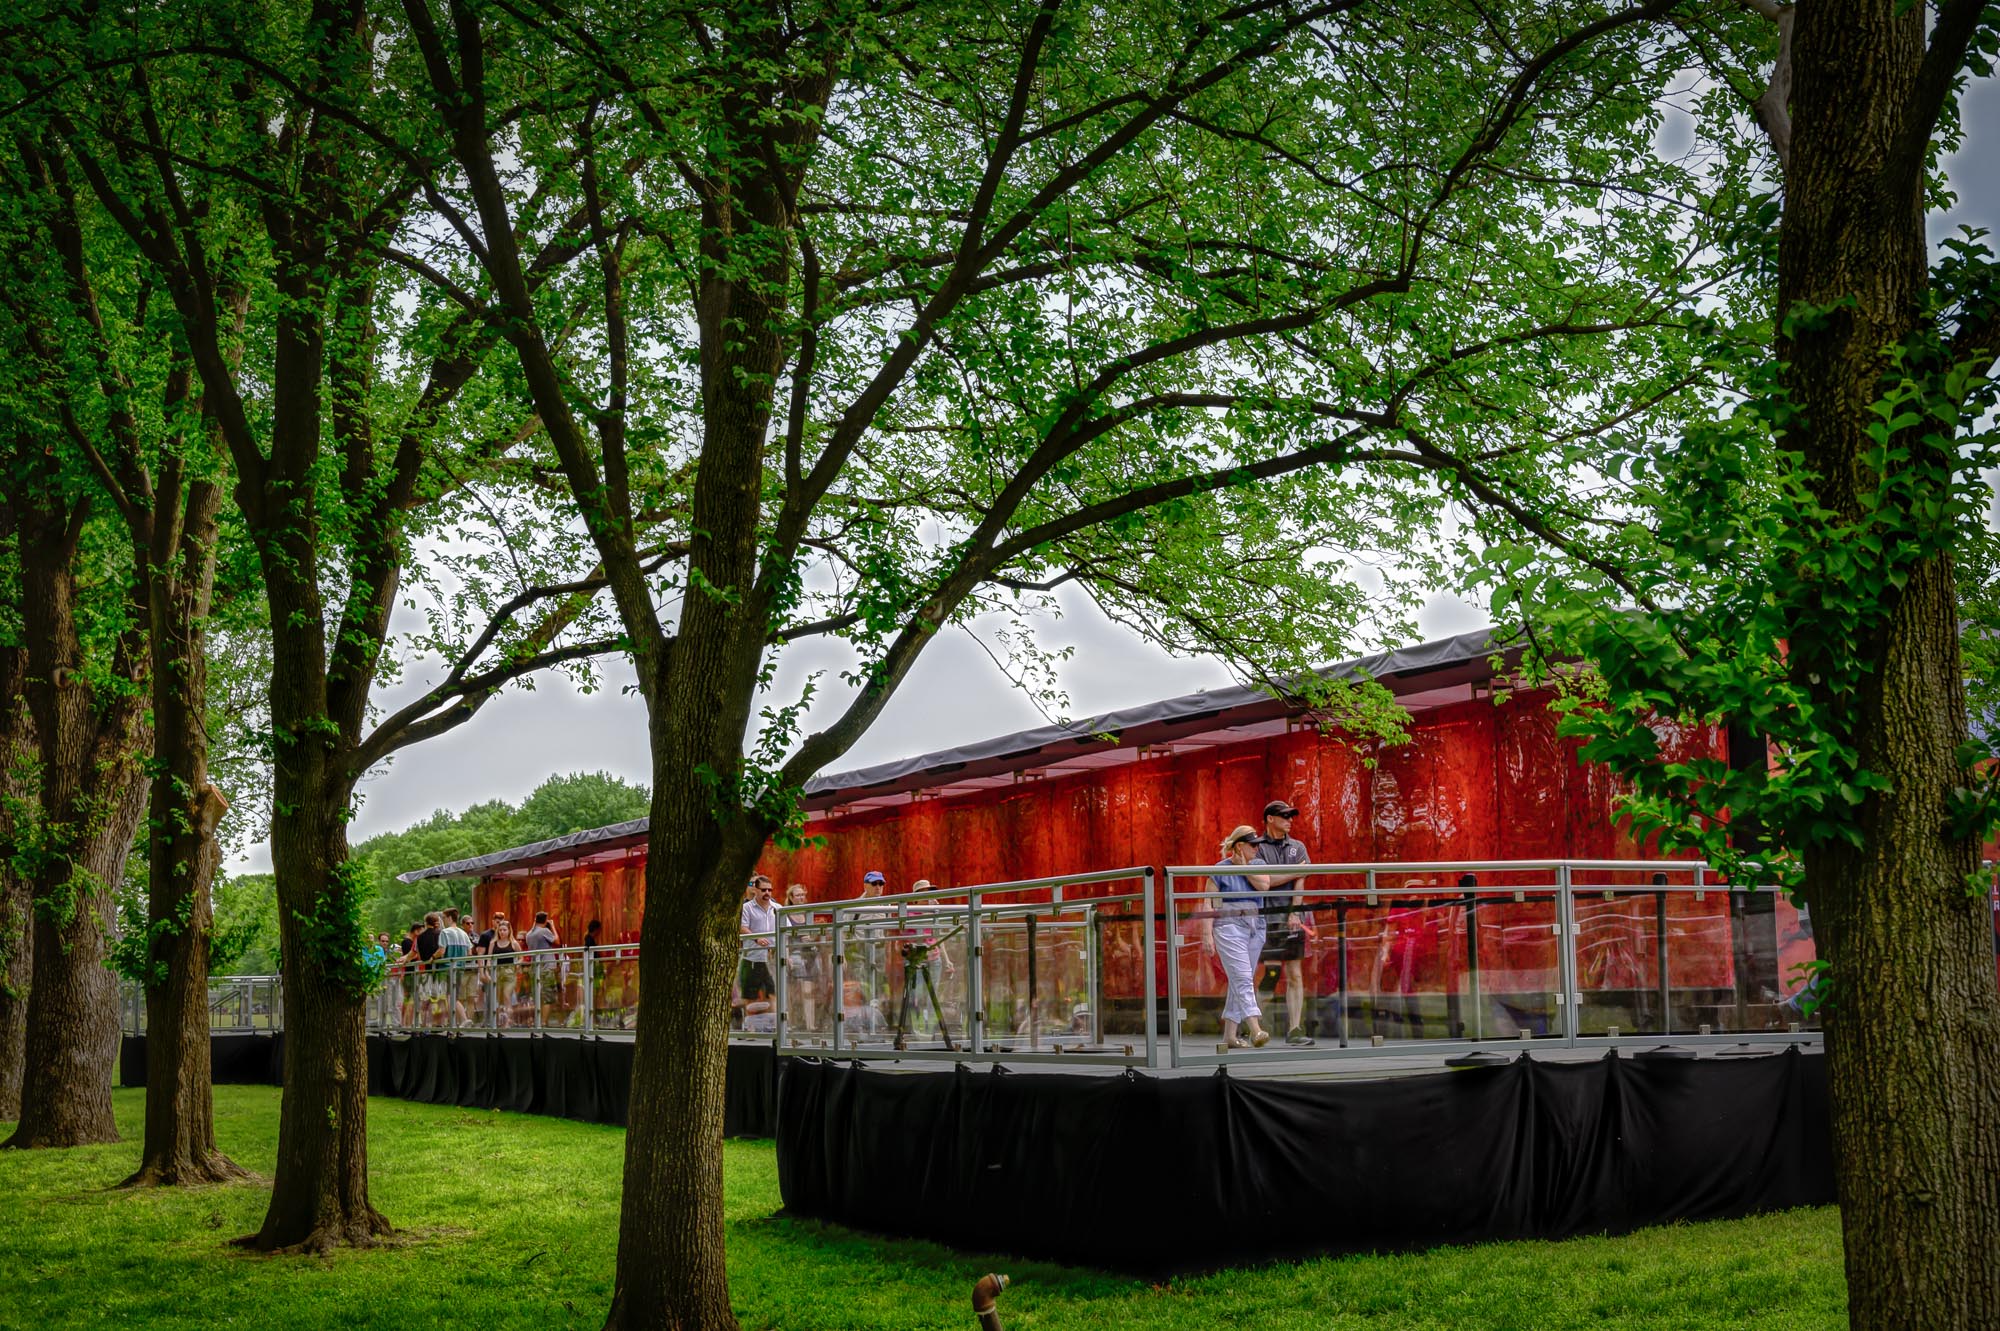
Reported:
(1773, 108)
(1957, 23)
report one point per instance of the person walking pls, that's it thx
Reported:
(756, 922)
(1286, 930)
(407, 966)
(1234, 935)
(428, 947)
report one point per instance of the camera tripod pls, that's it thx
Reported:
(917, 962)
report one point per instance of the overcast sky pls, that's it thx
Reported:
(955, 694)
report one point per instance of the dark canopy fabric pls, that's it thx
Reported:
(562, 1076)
(1157, 1176)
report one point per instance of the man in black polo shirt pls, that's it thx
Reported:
(1285, 929)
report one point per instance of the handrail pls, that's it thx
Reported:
(1554, 958)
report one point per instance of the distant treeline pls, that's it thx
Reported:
(246, 910)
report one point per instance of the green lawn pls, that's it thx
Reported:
(508, 1220)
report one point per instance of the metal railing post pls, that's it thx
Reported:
(1148, 971)
(1566, 955)
(1170, 914)
(589, 990)
(779, 989)
(839, 981)
(975, 977)
(1472, 963)
(1093, 972)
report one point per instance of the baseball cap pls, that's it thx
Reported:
(1280, 809)
(873, 876)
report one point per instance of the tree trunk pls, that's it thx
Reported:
(1913, 1025)
(17, 800)
(91, 798)
(1913, 1031)
(319, 1197)
(319, 1200)
(671, 1272)
(703, 842)
(183, 854)
(180, 1112)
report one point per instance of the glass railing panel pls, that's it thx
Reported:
(614, 988)
(1368, 958)
(807, 959)
(1038, 974)
(1624, 961)
(1124, 971)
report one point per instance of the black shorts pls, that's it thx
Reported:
(754, 979)
(1282, 943)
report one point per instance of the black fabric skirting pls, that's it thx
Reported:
(562, 1076)
(1157, 1176)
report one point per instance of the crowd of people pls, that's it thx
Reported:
(446, 971)
(1256, 928)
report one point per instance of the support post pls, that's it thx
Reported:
(1566, 954)
(1151, 970)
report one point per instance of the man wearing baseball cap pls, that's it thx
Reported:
(1285, 932)
(867, 958)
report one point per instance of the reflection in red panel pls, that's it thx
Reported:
(1345, 809)
(1402, 796)
(1532, 774)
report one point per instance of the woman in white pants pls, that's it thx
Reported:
(1234, 937)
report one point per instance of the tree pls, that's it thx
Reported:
(351, 423)
(560, 805)
(439, 839)
(246, 924)
(17, 812)
(905, 314)
(1799, 562)
(162, 477)
(575, 802)
(83, 685)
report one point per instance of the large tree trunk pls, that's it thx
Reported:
(91, 799)
(180, 1112)
(319, 1197)
(18, 785)
(702, 844)
(671, 1271)
(1913, 1026)
(319, 1200)
(1913, 1031)
(183, 856)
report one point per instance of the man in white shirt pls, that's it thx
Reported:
(758, 919)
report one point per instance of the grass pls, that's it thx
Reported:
(508, 1220)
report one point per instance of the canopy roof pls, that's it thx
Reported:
(1430, 674)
